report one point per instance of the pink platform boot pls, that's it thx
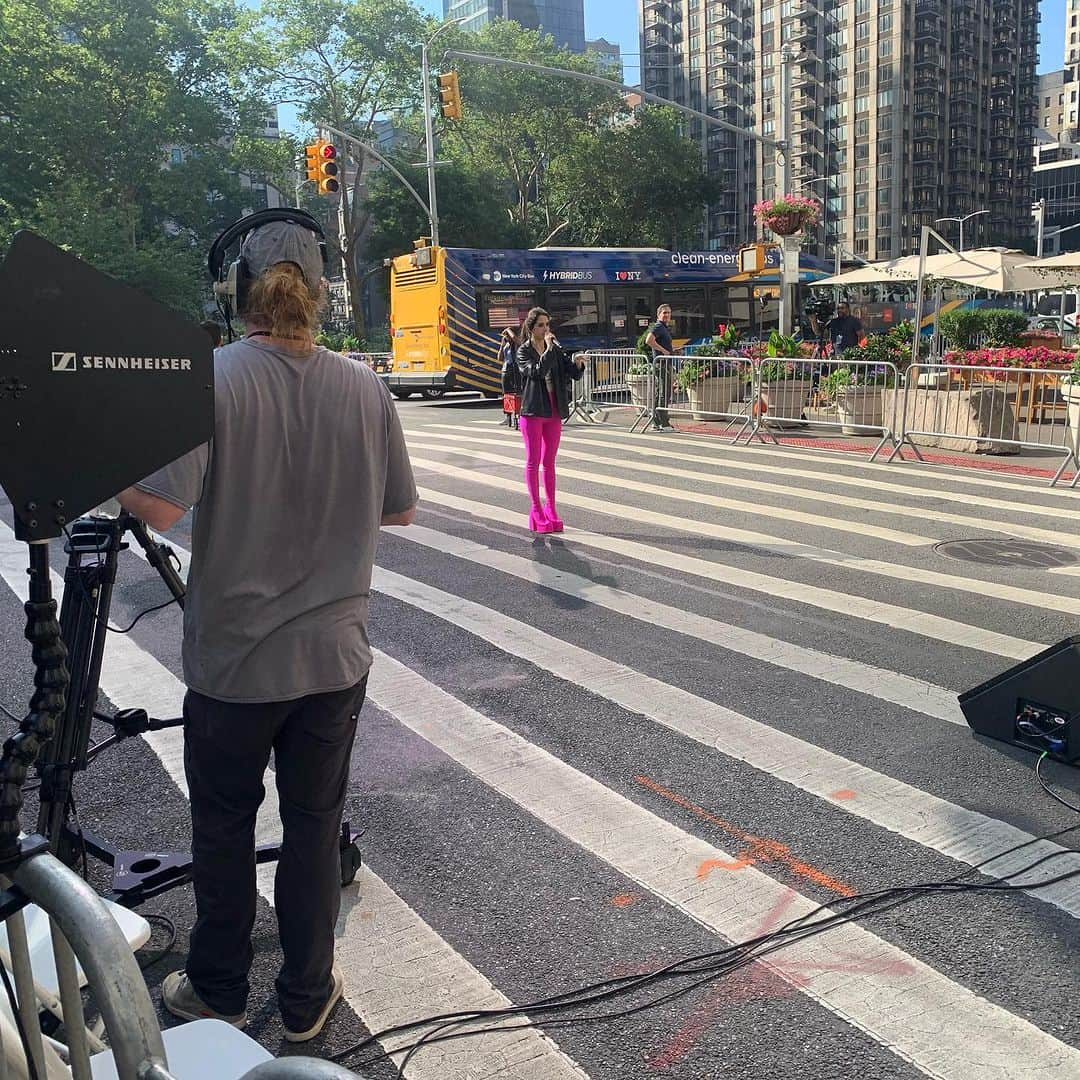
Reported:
(538, 523)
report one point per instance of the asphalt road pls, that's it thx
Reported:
(725, 695)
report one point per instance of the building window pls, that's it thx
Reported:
(884, 172)
(176, 156)
(884, 47)
(1046, 104)
(884, 99)
(884, 24)
(862, 55)
(862, 223)
(862, 104)
(862, 31)
(884, 220)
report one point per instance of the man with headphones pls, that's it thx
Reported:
(307, 460)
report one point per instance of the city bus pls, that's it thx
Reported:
(448, 306)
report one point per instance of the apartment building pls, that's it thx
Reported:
(902, 112)
(564, 20)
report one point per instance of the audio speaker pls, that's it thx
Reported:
(1035, 704)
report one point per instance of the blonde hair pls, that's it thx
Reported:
(280, 297)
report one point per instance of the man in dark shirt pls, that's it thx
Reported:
(659, 340)
(844, 329)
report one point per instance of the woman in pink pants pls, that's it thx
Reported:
(546, 371)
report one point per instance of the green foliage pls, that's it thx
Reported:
(892, 347)
(960, 327)
(641, 344)
(1002, 327)
(780, 345)
(640, 367)
(722, 344)
(699, 367)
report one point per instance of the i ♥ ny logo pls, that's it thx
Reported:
(622, 275)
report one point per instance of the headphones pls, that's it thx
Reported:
(231, 284)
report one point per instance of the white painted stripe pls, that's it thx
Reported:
(972, 520)
(379, 936)
(725, 457)
(885, 685)
(965, 835)
(889, 615)
(697, 498)
(897, 572)
(941, 1027)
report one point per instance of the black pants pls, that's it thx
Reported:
(226, 752)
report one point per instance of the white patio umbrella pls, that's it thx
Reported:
(994, 269)
(1056, 271)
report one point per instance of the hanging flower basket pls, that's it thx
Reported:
(789, 215)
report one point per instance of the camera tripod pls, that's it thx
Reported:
(93, 549)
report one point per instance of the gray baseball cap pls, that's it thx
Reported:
(284, 241)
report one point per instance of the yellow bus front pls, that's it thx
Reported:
(418, 330)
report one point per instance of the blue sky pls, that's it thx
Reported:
(1052, 29)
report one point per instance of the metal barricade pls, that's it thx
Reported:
(952, 406)
(84, 935)
(716, 390)
(608, 382)
(796, 394)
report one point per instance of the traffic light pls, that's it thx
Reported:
(450, 96)
(322, 168)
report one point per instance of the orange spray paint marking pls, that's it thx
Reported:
(623, 899)
(843, 793)
(709, 865)
(760, 849)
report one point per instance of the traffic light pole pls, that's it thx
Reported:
(429, 144)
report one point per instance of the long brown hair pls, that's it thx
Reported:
(530, 322)
(279, 296)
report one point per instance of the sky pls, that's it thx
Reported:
(1052, 30)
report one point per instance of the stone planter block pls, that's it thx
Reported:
(712, 396)
(977, 411)
(860, 407)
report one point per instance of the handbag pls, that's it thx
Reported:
(511, 403)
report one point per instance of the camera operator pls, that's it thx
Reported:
(842, 330)
(306, 461)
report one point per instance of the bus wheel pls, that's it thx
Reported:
(433, 393)
(402, 395)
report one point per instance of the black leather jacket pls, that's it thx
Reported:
(533, 368)
(511, 377)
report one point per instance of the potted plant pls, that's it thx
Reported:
(787, 215)
(785, 385)
(710, 381)
(641, 378)
(1070, 391)
(858, 393)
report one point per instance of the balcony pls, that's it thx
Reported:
(658, 36)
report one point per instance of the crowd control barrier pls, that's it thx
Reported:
(60, 937)
(958, 407)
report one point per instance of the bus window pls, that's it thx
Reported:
(574, 312)
(732, 304)
(688, 310)
(507, 307)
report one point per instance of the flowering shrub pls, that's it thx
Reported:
(1017, 356)
(700, 367)
(841, 378)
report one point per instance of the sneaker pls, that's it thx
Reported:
(324, 1013)
(179, 997)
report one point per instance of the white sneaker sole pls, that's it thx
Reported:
(324, 1015)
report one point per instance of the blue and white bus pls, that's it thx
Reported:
(448, 306)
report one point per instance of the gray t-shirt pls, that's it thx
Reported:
(307, 456)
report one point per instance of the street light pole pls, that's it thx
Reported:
(789, 264)
(1038, 209)
(961, 220)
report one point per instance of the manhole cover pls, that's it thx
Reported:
(1022, 553)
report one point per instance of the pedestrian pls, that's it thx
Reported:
(546, 371)
(307, 460)
(660, 341)
(844, 329)
(511, 377)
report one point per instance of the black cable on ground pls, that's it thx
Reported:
(162, 950)
(707, 967)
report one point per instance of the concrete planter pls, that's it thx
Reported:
(642, 390)
(710, 397)
(1070, 391)
(978, 411)
(785, 400)
(860, 407)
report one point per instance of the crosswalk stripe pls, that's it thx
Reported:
(377, 934)
(697, 498)
(890, 615)
(964, 835)
(973, 519)
(902, 690)
(934, 473)
(909, 1007)
(725, 457)
(902, 573)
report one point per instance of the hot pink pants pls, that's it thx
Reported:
(541, 435)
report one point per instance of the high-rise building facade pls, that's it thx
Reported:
(564, 20)
(902, 112)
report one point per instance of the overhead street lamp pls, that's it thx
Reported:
(961, 220)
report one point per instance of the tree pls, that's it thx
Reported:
(92, 94)
(516, 123)
(641, 183)
(340, 63)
